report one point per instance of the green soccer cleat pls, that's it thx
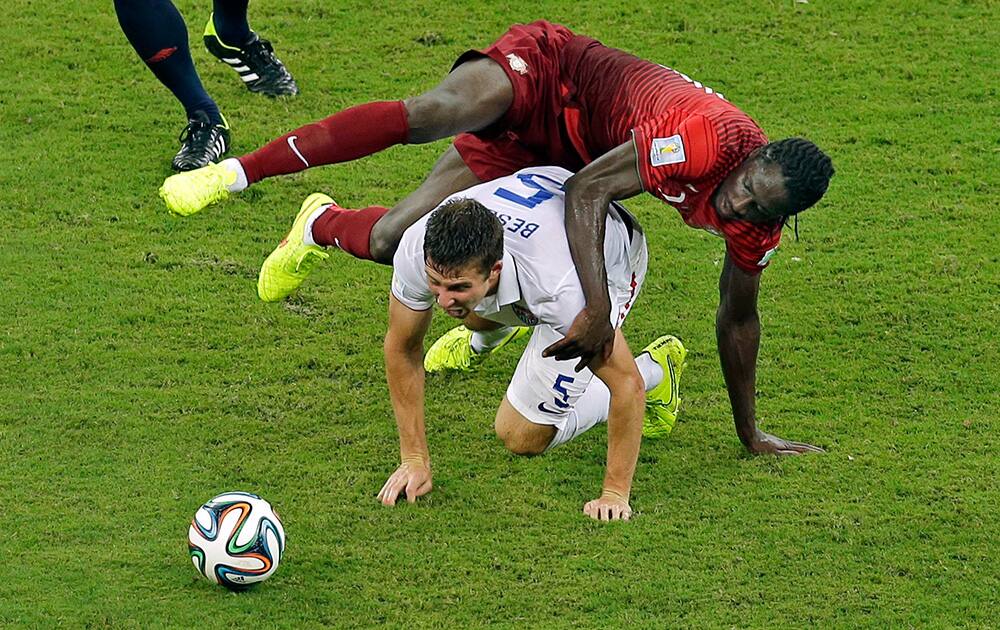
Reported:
(663, 401)
(290, 262)
(453, 351)
(189, 192)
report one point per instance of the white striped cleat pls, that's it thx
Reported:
(254, 61)
(202, 142)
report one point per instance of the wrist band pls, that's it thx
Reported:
(605, 493)
(413, 459)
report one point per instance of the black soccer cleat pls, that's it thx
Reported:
(254, 61)
(202, 142)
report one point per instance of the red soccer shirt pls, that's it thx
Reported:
(688, 137)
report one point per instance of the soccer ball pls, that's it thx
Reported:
(236, 540)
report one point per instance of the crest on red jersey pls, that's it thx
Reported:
(517, 64)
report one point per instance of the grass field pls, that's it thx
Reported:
(140, 375)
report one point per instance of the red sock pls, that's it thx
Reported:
(347, 135)
(350, 230)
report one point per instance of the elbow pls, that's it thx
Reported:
(572, 185)
(729, 317)
(630, 389)
(390, 346)
(586, 190)
(394, 348)
(736, 331)
(635, 386)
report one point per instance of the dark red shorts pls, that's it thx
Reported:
(532, 132)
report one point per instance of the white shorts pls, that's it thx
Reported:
(545, 390)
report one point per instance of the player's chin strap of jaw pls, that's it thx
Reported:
(786, 219)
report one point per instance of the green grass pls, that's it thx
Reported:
(140, 375)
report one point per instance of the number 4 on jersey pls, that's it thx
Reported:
(528, 179)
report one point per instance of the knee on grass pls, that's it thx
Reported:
(524, 440)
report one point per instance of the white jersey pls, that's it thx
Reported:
(538, 282)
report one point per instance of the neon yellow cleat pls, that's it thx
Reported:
(453, 351)
(189, 192)
(663, 401)
(290, 263)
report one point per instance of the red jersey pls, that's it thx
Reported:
(576, 99)
(688, 137)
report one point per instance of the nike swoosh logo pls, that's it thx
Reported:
(291, 143)
(544, 409)
(679, 199)
(673, 381)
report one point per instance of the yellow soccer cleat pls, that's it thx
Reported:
(663, 401)
(453, 351)
(290, 263)
(189, 192)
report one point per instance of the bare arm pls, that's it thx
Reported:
(611, 177)
(628, 397)
(404, 370)
(737, 329)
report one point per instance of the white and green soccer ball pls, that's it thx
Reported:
(236, 540)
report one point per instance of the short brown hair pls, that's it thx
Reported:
(463, 232)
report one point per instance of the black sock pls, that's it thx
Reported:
(230, 17)
(158, 34)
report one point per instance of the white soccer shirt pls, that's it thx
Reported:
(538, 283)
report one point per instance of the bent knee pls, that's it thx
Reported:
(473, 96)
(384, 240)
(525, 442)
(436, 115)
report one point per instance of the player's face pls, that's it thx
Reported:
(753, 192)
(460, 291)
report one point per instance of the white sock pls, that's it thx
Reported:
(241, 182)
(590, 409)
(307, 235)
(483, 340)
(651, 371)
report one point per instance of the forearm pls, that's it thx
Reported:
(405, 375)
(739, 341)
(613, 176)
(586, 211)
(624, 438)
(628, 401)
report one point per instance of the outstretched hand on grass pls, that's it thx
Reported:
(610, 506)
(412, 478)
(767, 444)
